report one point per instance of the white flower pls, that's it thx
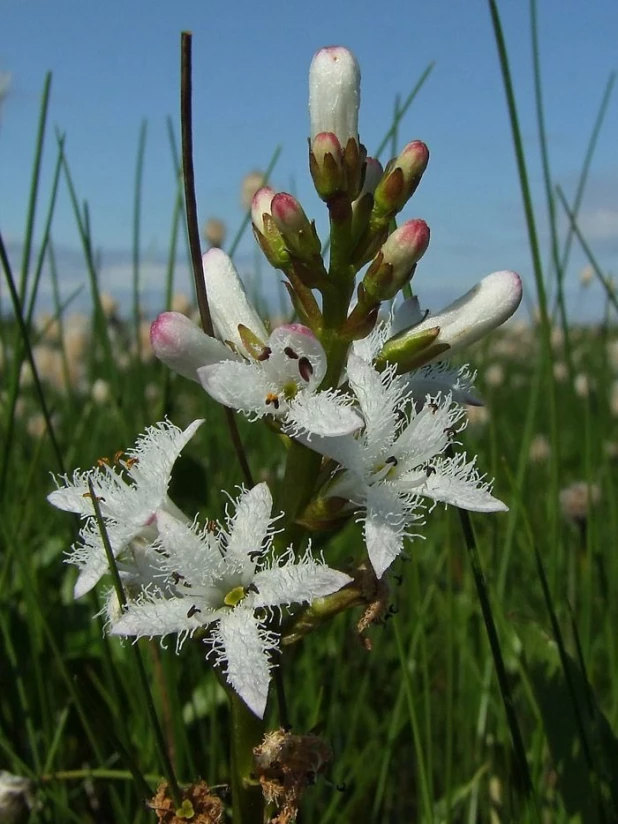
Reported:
(220, 578)
(428, 380)
(468, 319)
(397, 458)
(283, 381)
(245, 368)
(130, 491)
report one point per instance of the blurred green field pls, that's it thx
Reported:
(417, 724)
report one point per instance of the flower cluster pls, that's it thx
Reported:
(372, 396)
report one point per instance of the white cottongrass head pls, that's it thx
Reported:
(398, 458)
(130, 489)
(226, 584)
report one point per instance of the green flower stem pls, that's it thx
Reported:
(301, 471)
(247, 731)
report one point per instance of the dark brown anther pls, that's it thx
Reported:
(118, 456)
(450, 431)
(264, 354)
(430, 470)
(103, 462)
(193, 611)
(305, 369)
(176, 577)
(392, 460)
(290, 353)
(130, 462)
(433, 406)
(273, 399)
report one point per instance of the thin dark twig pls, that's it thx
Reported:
(186, 125)
(193, 232)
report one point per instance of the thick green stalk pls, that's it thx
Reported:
(247, 732)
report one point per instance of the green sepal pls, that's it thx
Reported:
(272, 243)
(409, 350)
(304, 303)
(324, 513)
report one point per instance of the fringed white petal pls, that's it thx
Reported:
(378, 397)
(385, 527)
(160, 616)
(249, 528)
(456, 481)
(296, 582)
(327, 414)
(242, 648)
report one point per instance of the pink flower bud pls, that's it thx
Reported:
(297, 231)
(327, 143)
(401, 178)
(288, 213)
(260, 206)
(395, 262)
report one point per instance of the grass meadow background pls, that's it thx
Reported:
(421, 727)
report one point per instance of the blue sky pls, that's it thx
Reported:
(116, 63)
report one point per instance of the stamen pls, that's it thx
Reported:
(272, 398)
(430, 470)
(392, 460)
(193, 611)
(103, 462)
(177, 577)
(130, 462)
(118, 456)
(305, 368)
(264, 354)
(290, 353)
(450, 431)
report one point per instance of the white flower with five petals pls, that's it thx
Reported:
(222, 581)
(130, 491)
(245, 368)
(397, 459)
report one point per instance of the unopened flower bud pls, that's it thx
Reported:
(400, 180)
(394, 264)
(297, 231)
(334, 94)
(326, 165)
(479, 311)
(265, 229)
(336, 157)
(182, 345)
